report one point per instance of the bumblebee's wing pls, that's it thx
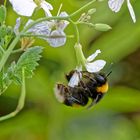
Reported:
(115, 5)
(74, 80)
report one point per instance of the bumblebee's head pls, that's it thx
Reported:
(102, 82)
(101, 79)
(101, 88)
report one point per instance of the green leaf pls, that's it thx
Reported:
(7, 77)
(2, 13)
(6, 34)
(28, 61)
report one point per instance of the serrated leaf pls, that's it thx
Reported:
(6, 34)
(3, 31)
(2, 13)
(28, 61)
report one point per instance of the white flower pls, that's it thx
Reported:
(46, 7)
(39, 29)
(96, 65)
(53, 30)
(115, 5)
(58, 27)
(90, 65)
(27, 7)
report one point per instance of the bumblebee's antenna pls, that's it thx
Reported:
(108, 74)
(110, 71)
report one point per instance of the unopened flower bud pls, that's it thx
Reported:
(102, 27)
(26, 42)
(91, 11)
(88, 18)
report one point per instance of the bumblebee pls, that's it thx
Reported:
(82, 86)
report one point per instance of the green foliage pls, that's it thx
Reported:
(119, 109)
(6, 78)
(6, 34)
(28, 60)
(2, 13)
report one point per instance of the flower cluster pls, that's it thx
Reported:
(52, 31)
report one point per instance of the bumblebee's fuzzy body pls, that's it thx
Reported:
(91, 85)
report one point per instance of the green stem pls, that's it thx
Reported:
(46, 36)
(77, 34)
(17, 51)
(60, 7)
(76, 30)
(21, 100)
(5, 2)
(8, 52)
(86, 23)
(2, 50)
(82, 8)
(58, 18)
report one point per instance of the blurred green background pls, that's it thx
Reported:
(116, 117)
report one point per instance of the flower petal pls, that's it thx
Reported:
(23, 7)
(95, 66)
(46, 7)
(16, 28)
(130, 8)
(62, 24)
(58, 40)
(91, 57)
(115, 5)
(39, 29)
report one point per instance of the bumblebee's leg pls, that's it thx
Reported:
(83, 85)
(89, 85)
(78, 96)
(96, 100)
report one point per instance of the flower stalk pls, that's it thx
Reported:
(79, 54)
(21, 100)
(8, 52)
